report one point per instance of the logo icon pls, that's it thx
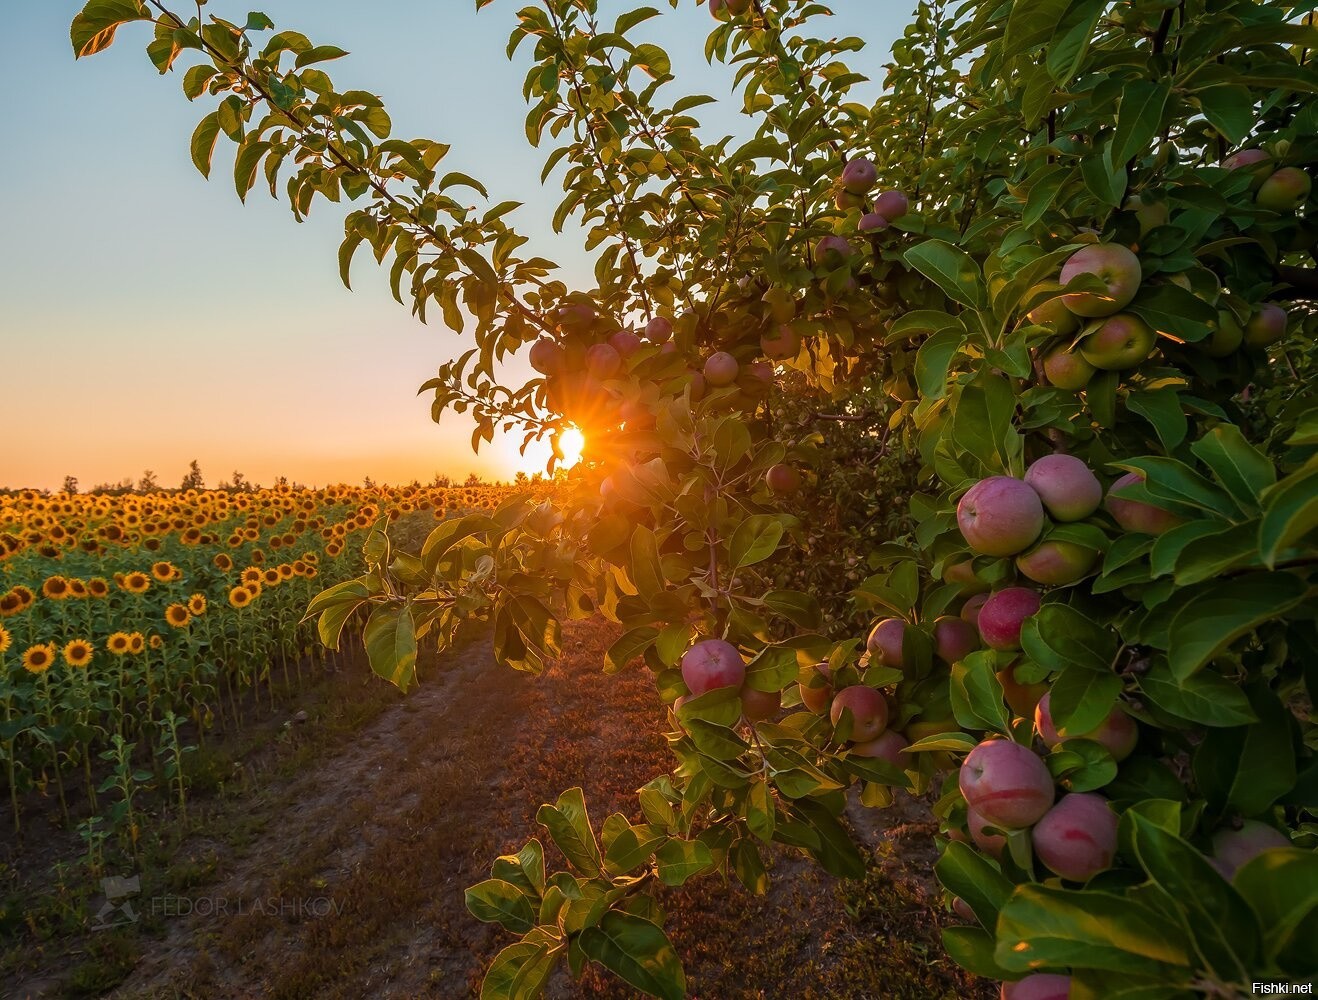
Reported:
(118, 909)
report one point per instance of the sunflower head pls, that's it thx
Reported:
(163, 571)
(197, 604)
(10, 604)
(285, 571)
(240, 597)
(251, 575)
(222, 562)
(136, 583)
(271, 577)
(155, 642)
(5, 639)
(177, 615)
(37, 659)
(78, 590)
(56, 588)
(118, 644)
(97, 587)
(78, 653)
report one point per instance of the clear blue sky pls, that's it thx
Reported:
(148, 318)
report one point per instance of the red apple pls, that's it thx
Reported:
(1118, 732)
(832, 251)
(1021, 698)
(1000, 516)
(991, 844)
(1006, 783)
(1135, 515)
(1266, 326)
(712, 663)
(1245, 158)
(1233, 848)
(658, 330)
(1077, 838)
(963, 573)
(1116, 266)
(1149, 214)
(954, 639)
(872, 222)
(1003, 614)
(784, 344)
(757, 706)
(625, 342)
(890, 746)
(885, 642)
(869, 711)
(817, 699)
(1226, 337)
(1039, 986)
(973, 606)
(721, 369)
(1052, 314)
(1067, 486)
(859, 175)
(783, 479)
(1118, 343)
(602, 361)
(1057, 563)
(1067, 369)
(1285, 191)
(546, 357)
(891, 205)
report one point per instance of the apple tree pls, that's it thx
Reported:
(1063, 266)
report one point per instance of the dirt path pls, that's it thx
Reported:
(353, 886)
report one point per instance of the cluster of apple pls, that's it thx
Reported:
(857, 180)
(716, 663)
(724, 10)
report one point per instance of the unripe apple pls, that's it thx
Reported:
(846, 201)
(1113, 264)
(971, 609)
(721, 369)
(1006, 783)
(625, 342)
(1057, 563)
(991, 844)
(954, 639)
(757, 706)
(781, 303)
(1149, 215)
(1077, 838)
(890, 746)
(1226, 338)
(712, 663)
(1000, 516)
(963, 574)
(872, 222)
(783, 344)
(1067, 486)
(817, 699)
(859, 175)
(891, 205)
(1002, 615)
(1068, 369)
(1022, 699)
(1285, 191)
(783, 479)
(832, 251)
(1118, 732)
(1052, 314)
(1233, 848)
(869, 711)
(602, 361)
(658, 330)
(1119, 342)
(1245, 158)
(1135, 515)
(1266, 326)
(546, 357)
(1039, 986)
(885, 642)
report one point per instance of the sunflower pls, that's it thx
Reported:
(300, 567)
(222, 562)
(5, 639)
(136, 643)
(118, 644)
(197, 605)
(10, 604)
(37, 659)
(56, 588)
(271, 577)
(177, 615)
(78, 653)
(240, 597)
(136, 582)
(97, 587)
(152, 544)
(163, 571)
(285, 571)
(78, 590)
(251, 575)
(155, 642)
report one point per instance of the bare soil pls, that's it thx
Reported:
(345, 878)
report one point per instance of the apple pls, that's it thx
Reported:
(885, 642)
(1006, 783)
(721, 369)
(784, 344)
(1067, 486)
(872, 222)
(759, 378)
(1057, 563)
(1233, 848)
(1149, 214)
(1226, 338)
(890, 746)
(1266, 326)
(658, 330)
(1113, 264)
(1038, 986)
(1021, 698)
(963, 573)
(1119, 342)
(781, 303)
(831, 251)
(817, 699)
(891, 205)
(1077, 838)
(1052, 314)
(1285, 191)
(784, 479)
(575, 316)
(846, 201)
(859, 175)
(869, 711)
(603, 361)
(1067, 369)
(954, 639)
(1245, 158)
(1000, 516)
(991, 844)
(546, 357)
(973, 606)
(625, 342)
(698, 387)
(757, 706)
(1118, 732)
(712, 663)
(1002, 615)
(1135, 515)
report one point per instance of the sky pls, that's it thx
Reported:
(148, 318)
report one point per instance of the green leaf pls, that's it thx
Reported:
(628, 647)
(799, 608)
(319, 53)
(1205, 697)
(966, 873)
(972, 949)
(1081, 698)
(1230, 609)
(496, 901)
(93, 29)
(754, 540)
(933, 359)
(679, 860)
(1290, 512)
(977, 693)
(1242, 469)
(203, 142)
(1174, 310)
(1059, 636)
(714, 740)
(631, 847)
(390, 639)
(1139, 119)
(1281, 886)
(569, 826)
(951, 269)
(1032, 22)
(1249, 767)
(1230, 110)
(518, 972)
(637, 951)
(1161, 408)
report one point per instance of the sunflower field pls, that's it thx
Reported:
(133, 625)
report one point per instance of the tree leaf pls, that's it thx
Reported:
(637, 951)
(951, 269)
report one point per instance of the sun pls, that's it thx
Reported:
(570, 444)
